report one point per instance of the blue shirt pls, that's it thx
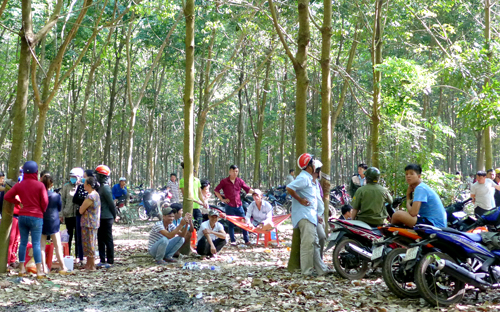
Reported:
(431, 208)
(118, 191)
(320, 207)
(304, 187)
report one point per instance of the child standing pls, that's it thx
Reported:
(91, 213)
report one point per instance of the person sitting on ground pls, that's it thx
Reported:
(426, 207)
(90, 221)
(368, 203)
(119, 190)
(483, 193)
(165, 238)
(51, 223)
(177, 208)
(211, 237)
(346, 212)
(358, 179)
(259, 213)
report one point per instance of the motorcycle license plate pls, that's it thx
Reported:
(333, 236)
(377, 252)
(411, 253)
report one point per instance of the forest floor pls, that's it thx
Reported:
(251, 279)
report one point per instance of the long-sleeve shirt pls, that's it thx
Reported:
(264, 215)
(118, 192)
(69, 209)
(32, 194)
(320, 207)
(108, 210)
(232, 190)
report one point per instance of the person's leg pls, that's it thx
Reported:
(173, 245)
(158, 248)
(241, 213)
(319, 265)
(36, 236)
(78, 241)
(43, 242)
(480, 211)
(187, 242)
(110, 246)
(230, 211)
(307, 238)
(56, 239)
(403, 217)
(219, 243)
(70, 226)
(203, 247)
(321, 238)
(101, 232)
(92, 234)
(24, 232)
(13, 241)
(198, 216)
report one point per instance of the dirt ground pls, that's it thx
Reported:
(250, 279)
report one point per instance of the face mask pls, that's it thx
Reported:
(72, 180)
(83, 180)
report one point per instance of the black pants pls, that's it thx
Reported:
(480, 211)
(203, 247)
(105, 241)
(71, 227)
(198, 216)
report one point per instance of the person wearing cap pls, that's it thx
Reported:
(119, 190)
(31, 196)
(165, 238)
(497, 192)
(259, 212)
(368, 203)
(211, 237)
(232, 186)
(69, 211)
(305, 216)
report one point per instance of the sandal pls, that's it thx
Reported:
(62, 272)
(41, 276)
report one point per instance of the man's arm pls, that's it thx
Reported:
(248, 216)
(356, 204)
(415, 208)
(172, 234)
(246, 188)
(219, 196)
(108, 198)
(301, 200)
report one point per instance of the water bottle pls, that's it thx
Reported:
(215, 268)
(242, 246)
(230, 260)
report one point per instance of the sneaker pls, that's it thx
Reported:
(170, 260)
(100, 265)
(107, 265)
(160, 262)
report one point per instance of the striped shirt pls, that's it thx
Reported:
(174, 188)
(155, 234)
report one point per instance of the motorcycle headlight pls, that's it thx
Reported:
(156, 197)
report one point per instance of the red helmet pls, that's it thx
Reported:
(304, 160)
(103, 169)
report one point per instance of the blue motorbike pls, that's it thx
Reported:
(459, 259)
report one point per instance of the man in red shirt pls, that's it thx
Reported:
(231, 186)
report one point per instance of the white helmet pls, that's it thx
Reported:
(76, 172)
(317, 164)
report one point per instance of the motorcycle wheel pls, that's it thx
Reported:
(142, 213)
(278, 210)
(399, 281)
(437, 287)
(347, 264)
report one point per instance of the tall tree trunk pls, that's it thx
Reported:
(377, 77)
(487, 38)
(189, 112)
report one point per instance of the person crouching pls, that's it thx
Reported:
(211, 237)
(165, 238)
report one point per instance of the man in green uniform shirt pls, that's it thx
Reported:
(368, 201)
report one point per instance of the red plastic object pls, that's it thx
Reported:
(49, 253)
(194, 239)
(277, 220)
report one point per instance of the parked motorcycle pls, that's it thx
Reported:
(152, 203)
(123, 213)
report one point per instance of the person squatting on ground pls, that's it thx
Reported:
(108, 216)
(368, 203)
(231, 186)
(70, 214)
(426, 207)
(78, 199)
(305, 216)
(165, 238)
(211, 237)
(31, 196)
(259, 213)
(177, 208)
(51, 223)
(91, 212)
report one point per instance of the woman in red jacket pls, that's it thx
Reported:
(33, 202)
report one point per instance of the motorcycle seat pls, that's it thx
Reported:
(360, 224)
(472, 236)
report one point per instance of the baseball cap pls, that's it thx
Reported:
(213, 213)
(166, 211)
(123, 179)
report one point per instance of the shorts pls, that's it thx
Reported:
(424, 220)
(89, 238)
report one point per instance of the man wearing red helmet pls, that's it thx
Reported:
(305, 216)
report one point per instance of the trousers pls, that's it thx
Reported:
(310, 257)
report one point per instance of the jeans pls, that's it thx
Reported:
(34, 225)
(310, 257)
(165, 248)
(203, 247)
(105, 241)
(239, 212)
(78, 241)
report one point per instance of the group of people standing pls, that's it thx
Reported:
(85, 205)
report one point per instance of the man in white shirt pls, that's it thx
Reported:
(290, 177)
(259, 212)
(482, 193)
(211, 236)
